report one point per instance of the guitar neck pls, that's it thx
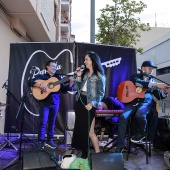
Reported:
(61, 81)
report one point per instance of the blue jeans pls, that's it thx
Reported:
(48, 113)
(139, 109)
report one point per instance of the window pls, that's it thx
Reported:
(162, 71)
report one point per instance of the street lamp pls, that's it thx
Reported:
(92, 22)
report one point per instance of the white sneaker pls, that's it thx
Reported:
(102, 143)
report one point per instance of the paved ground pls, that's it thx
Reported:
(8, 155)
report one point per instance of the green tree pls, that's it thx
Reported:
(118, 24)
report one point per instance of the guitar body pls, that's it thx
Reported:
(51, 87)
(127, 92)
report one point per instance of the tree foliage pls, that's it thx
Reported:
(118, 24)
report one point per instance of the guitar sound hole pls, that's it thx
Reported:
(51, 85)
(127, 93)
(138, 90)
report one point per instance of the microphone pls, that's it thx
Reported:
(35, 68)
(139, 69)
(81, 69)
(75, 72)
(5, 84)
(143, 73)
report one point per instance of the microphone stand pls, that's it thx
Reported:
(21, 112)
(151, 76)
(7, 142)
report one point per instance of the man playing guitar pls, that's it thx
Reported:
(140, 107)
(47, 91)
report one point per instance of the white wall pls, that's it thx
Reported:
(6, 37)
(148, 37)
(48, 12)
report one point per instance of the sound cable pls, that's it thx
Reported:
(79, 91)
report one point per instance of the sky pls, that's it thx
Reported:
(80, 19)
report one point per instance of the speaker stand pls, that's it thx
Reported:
(7, 143)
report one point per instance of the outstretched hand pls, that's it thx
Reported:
(166, 89)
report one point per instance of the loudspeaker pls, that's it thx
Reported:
(162, 134)
(109, 161)
(167, 158)
(70, 119)
(38, 160)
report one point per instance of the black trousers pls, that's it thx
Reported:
(82, 125)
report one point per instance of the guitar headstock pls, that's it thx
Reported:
(112, 63)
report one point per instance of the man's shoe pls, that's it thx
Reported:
(119, 149)
(51, 144)
(137, 139)
(41, 145)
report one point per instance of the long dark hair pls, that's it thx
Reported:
(96, 63)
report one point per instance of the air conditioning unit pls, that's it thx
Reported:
(18, 26)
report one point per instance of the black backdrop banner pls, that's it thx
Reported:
(119, 63)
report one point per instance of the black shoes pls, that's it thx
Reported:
(137, 139)
(41, 145)
(119, 149)
(84, 154)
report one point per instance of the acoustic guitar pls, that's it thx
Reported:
(127, 92)
(52, 84)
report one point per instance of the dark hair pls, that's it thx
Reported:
(96, 63)
(48, 63)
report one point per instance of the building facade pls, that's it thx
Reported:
(159, 52)
(153, 34)
(65, 21)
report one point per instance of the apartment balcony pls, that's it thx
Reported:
(65, 5)
(64, 39)
(65, 27)
(28, 19)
